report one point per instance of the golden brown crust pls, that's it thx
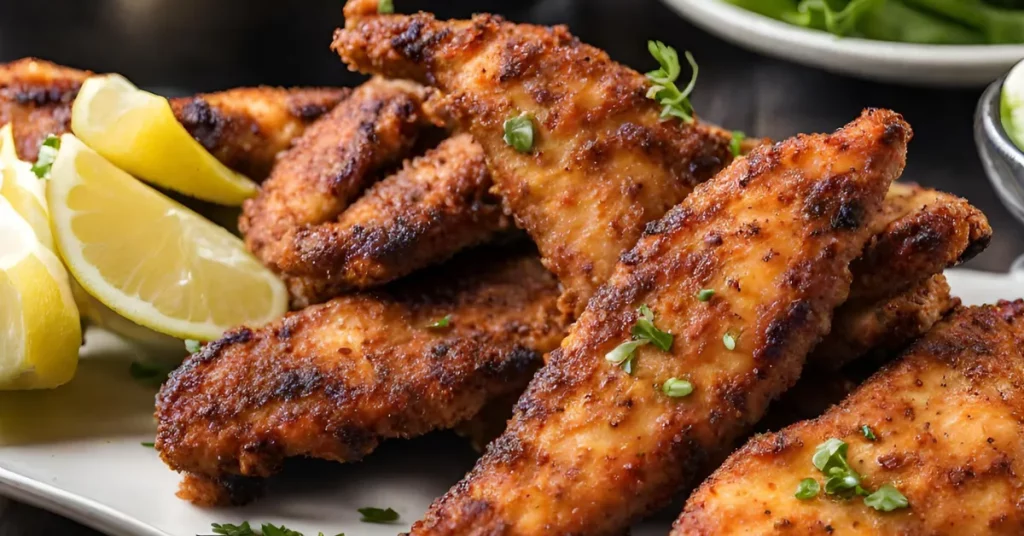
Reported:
(437, 205)
(592, 448)
(36, 97)
(308, 225)
(333, 380)
(246, 128)
(603, 163)
(950, 437)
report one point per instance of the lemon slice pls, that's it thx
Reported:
(40, 331)
(149, 258)
(22, 189)
(137, 131)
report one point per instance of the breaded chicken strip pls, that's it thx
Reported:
(244, 128)
(603, 162)
(593, 447)
(949, 426)
(334, 380)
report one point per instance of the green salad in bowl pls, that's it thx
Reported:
(946, 22)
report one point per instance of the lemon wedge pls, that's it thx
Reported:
(151, 259)
(137, 131)
(22, 189)
(40, 331)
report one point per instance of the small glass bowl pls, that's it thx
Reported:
(1003, 161)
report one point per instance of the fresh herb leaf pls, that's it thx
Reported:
(830, 454)
(677, 388)
(807, 489)
(193, 346)
(674, 102)
(886, 499)
(629, 364)
(820, 15)
(47, 154)
(519, 132)
(149, 374)
(385, 6)
(148, 444)
(441, 323)
(623, 353)
(644, 329)
(271, 530)
(377, 515)
(705, 294)
(868, 433)
(842, 482)
(729, 340)
(736, 143)
(227, 529)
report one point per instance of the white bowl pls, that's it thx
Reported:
(931, 65)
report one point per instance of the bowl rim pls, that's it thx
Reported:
(851, 47)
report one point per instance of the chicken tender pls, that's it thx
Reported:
(593, 446)
(244, 128)
(334, 380)
(603, 162)
(949, 436)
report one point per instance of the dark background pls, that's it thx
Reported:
(182, 46)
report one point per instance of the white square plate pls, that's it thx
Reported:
(77, 451)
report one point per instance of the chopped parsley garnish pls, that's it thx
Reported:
(843, 482)
(736, 143)
(674, 102)
(886, 499)
(705, 294)
(47, 154)
(267, 529)
(677, 388)
(729, 340)
(519, 132)
(377, 515)
(441, 323)
(148, 444)
(868, 433)
(149, 374)
(644, 329)
(644, 332)
(807, 489)
(385, 6)
(193, 346)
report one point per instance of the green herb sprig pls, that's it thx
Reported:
(378, 515)
(47, 155)
(519, 132)
(674, 102)
(267, 529)
(830, 457)
(736, 143)
(441, 323)
(644, 332)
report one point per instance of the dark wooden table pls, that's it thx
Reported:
(190, 45)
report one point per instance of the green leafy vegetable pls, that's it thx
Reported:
(148, 444)
(519, 132)
(377, 515)
(886, 499)
(736, 143)
(267, 529)
(677, 388)
(644, 329)
(47, 154)
(385, 6)
(868, 432)
(441, 323)
(729, 340)
(705, 295)
(623, 354)
(807, 489)
(674, 102)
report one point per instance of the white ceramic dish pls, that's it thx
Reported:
(931, 65)
(77, 451)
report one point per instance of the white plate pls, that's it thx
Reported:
(77, 451)
(940, 65)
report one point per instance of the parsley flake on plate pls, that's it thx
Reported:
(705, 294)
(886, 499)
(148, 444)
(519, 132)
(807, 489)
(868, 433)
(644, 332)
(677, 388)
(729, 340)
(441, 323)
(674, 102)
(47, 154)
(736, 143)
(378, 515)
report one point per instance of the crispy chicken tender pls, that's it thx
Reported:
(591, 447)
(244, 128)
(603, 163)
(309, 226)
(334, 380)
(950, 437)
